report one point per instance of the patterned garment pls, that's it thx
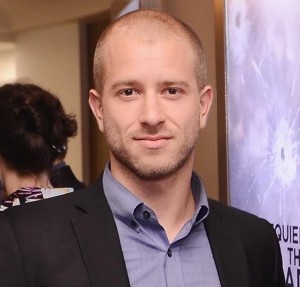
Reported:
(30, 194)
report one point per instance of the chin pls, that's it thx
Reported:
(155, 172)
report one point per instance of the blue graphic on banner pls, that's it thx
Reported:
(263, 104)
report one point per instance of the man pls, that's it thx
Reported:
(147, 220)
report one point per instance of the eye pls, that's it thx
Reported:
(173, 91)
(128, 92)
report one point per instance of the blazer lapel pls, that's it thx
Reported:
(228, 250)
(99, 241)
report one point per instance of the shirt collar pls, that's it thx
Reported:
(200, 197)
(123, 203)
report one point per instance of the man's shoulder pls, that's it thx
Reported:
(235, 215)
(232, 222)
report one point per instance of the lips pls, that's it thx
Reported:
(153, 141)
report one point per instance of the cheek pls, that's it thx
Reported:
(192, 126)
(115, 127)
(110, 125)
(188, 117)
(121, 116)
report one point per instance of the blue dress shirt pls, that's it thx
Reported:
(151, 260)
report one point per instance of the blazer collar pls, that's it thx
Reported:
(98, 239)
(227, 249)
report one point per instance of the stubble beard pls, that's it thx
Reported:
(144, 168)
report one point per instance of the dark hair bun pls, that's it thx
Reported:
(34, 128)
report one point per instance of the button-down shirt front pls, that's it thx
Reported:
(151, 260)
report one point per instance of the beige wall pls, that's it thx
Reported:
(7, 65)
(50, 57)
(199, 14)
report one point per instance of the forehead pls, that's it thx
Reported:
(127, 58)
(131, 44)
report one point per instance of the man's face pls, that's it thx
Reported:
(150, 109)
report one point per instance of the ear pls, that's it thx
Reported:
(206, 98)
(95, 102)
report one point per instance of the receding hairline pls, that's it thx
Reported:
(149, 26)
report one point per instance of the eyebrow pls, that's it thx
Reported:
(175, 83)
(130, 83)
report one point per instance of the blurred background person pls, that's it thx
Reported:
(34, 130)
(61, 174)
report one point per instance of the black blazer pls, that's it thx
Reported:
(72, 240)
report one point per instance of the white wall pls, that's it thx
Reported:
(50, 57)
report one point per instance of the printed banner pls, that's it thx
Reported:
(263, 108)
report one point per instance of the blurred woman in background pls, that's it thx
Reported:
(34, 130)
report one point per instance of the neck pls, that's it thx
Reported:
(172, 201)
(170, 198)
(13, 181)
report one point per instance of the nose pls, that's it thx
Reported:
(152, 113)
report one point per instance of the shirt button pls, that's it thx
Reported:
(169, 252)
(146, 214)
(135, 226)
